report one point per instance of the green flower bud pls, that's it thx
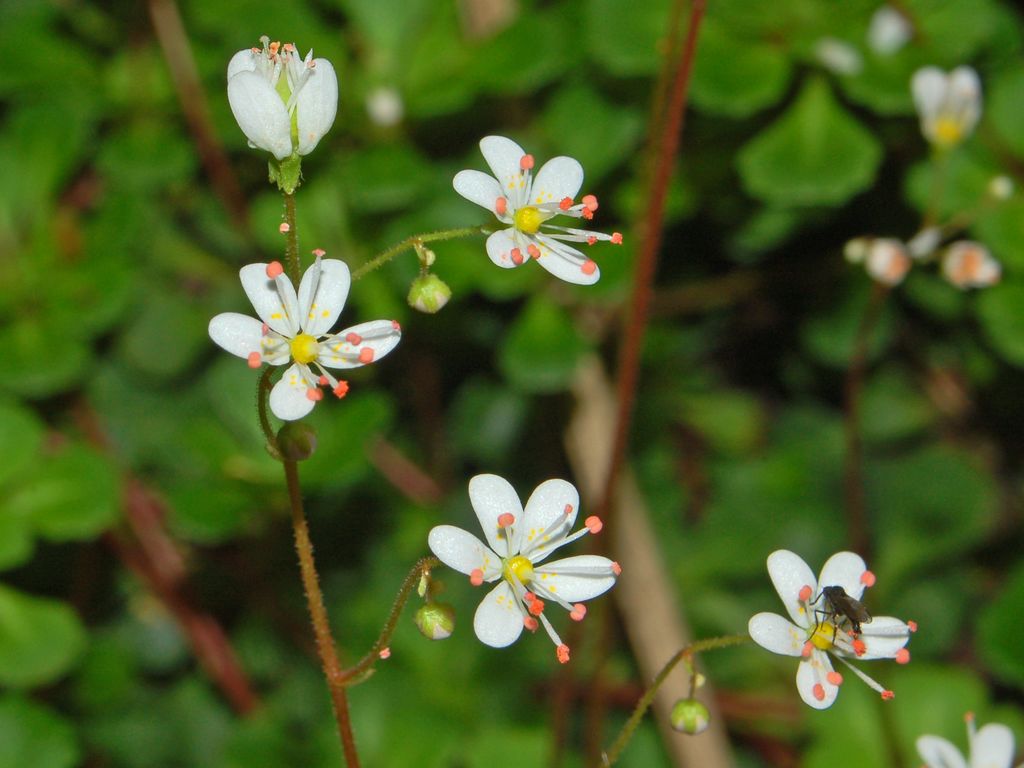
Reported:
(429, 293)
(296, 440)
(436, 620)
(690, 716)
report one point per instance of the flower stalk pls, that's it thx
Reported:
(412, 243)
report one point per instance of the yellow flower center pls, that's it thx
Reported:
(948, 131)
(304, 348)
(520, 566)
(823, 636)
(529, 219)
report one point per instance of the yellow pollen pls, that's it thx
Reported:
(529, 219)
(520, 566)
(304, 348)
(822, 637)
(948, 131)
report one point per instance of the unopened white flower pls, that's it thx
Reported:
(967, 264)
(1001, 187)
(838, 56)
(524, 538)
(886, 260)
(889, 31)
(282, 115)
(949, 105)
(526, 202)
(293, 329)
(385, 107)
(924, 243)
(815, 635)
(989, 747)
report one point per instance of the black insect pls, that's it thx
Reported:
(840, 607)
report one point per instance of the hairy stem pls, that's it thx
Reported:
(410, 243)
(291, 248)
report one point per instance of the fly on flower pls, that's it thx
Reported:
(518, 540)
(294, 330)
(816, 640)
(991, 746)
(526, 203)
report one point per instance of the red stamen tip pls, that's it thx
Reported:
(818, 691)
(366, 355)
(284, 228)
(859, 647)
(588, 267)
(616, 569)
(314, 394)
(353, 338)
(322, 381)
(319, 252)
(526, 162)
(902, 656)
(476, 577)
(530, 623)
(254, 360)
(594, 524)
(517, 256)
(533, 250)
(506, 519)
(341, 390)
(565, 204)
(867, 579)
(888, 695)
(274, 270)
(563, 653)
(579, 610)
(912, 626)
(567, 510)
(501, 206)
(835, 678)
(590, 202)
(805, 593)
(617, 238)
(806, 651)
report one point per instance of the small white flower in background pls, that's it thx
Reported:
(968, 264)
(524, 538)
(282, 115)
(526, 202)
(887, 261)
(838, 56)
(815, 636)
(293, 329)
(385, 107)
(923, 244)
(889, 31)
(989, 747)
(949, 105)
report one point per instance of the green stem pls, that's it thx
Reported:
(940, 164)
(291, 249)
(318, 615)
(262, 392)
(711, 644)
(411, 242)
(356, 671)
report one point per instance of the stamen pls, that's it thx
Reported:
(867, 579)
(616, 569)
(314, 394)
(568, 510)
(536, 606)
(533, 250)
(265, 329)
(395, 325)
(530, 623)
(594, 524)
(341, 390)
(284, 228)
(888, 695)
(274, 270)
(255, 360)
(323, 381)
(835, 678)
(818, 691)
(587, 214)
(517, 256)
(354, 339)
(579, 610)
(912, 626)
(501, 206)
(563, 653)
(506, 519)
(807, 650)
(588, 267)
(319, 252)
(617, 238)
(566, 203)
(526, 162)
(902, 656)
(476, 577)
(805, 593)
(859, 647)
(366, 355)
(591, 240)
(590, 202)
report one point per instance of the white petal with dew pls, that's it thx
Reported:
(843, 569)
(992, 747)
(546, 505)
(479, 188)
(937, 752)
(288, 398)
(379, 336)
(928, 87)
(260, 113)
(498, 621)
(503, 156)
(883, 637)
(316, 105)
(774, 633)
(565, 262)
(499, 248)
(274, 300)
(462, 551)
(492, 496)
(238, 334)
(563, 577)
(320, 310)
(789, 573)
(243, 61)
(558, 178)
(812, 672)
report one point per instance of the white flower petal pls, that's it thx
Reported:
(928, 87)
(939, 753)
(558, 577)
(811, 673)
(359, 345)
(243, 61)
(498, 621)
(260, 113)
(321, 310)
(462, 551)
(889, 31)
(774, 633)
(883, 637)
(479, 188)
(789, 573)
(965, 93)
(844, 569)
(566, 263)
(492, 496)
(288, 399)
(280, 312)
(316, 105)
(238, 334)
(558, 178)
(546, 505)
(503, 156)
(499, 248)
(992, 747)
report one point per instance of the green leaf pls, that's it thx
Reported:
(894, 407)
(34, 735)
(831, 337)
(499, 65)
(385, 178)
(1001, 632)
(167, 335)
(815, 154)
(542, 348)
(29, 370)
(731, 421)
(623, 36)
(1004, 107)
(999, 311)
(487, 419)
(21, 434)
(40, 639)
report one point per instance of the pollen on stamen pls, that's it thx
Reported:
(818, 691)
(591, 240)
(888, 695)
(341, 390)
(314, 394)
(859, 647)
(616, 569)
(264, 330)
(476, 577)
(807, 650)
(529, 597)
(506, 519)
(867, 579)
(902, 656)
(565, 204)
(384, 653)
(590, 202)
(284, 228)
(354, 338)
(274, 270)
(912, 626)
(587, 214)
(501, 206)
(395, 325)
(533, 250)
(322, 381)
(579, 610)
(526, 162)
(568, 510)
(366, 355)
(617, 238)
(563, 653)
(517, 256)
(530, 623)
(594, 524)
(835, 678)
(805, 593)
(536, 607)
(588, 267)
(255, 360)
(319, 252)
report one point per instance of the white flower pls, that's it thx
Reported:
(814, 632)
(889, 31)
(524, 538)
(294, 329)
(886, 260)
(526, 203)
(838, 56)
(970, 265)
(282, 117)
(385, 107)
(990, 747)
(949, 105)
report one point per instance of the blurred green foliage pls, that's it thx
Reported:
(117, 245)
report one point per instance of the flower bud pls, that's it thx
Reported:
(429, 293)
(855, 250)
(436, 620)
(296, 440)
(690, 716)
(1000, 187)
